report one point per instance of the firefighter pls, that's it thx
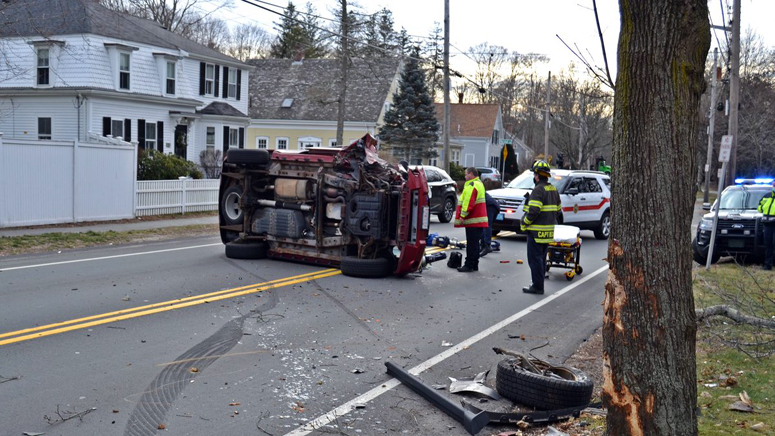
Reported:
(541, 210)
(767, 208)
(472, 214)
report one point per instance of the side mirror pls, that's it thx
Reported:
(572, 191)
(706, 206)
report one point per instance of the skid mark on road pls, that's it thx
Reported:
(158, 398)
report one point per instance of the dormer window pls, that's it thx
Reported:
(123, 71)
(288, 102)
(170, 86)
(209, 79)
(43, 66)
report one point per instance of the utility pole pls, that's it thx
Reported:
(546, 117)
(446, 87)
(711, 126)
(582, 137)
(343, 68)
(734, 90)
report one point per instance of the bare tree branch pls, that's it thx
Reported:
(733, 314)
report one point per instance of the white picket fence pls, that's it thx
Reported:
(162, 197)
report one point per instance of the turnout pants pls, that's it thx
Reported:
(769, 244)
(492, 212)
(536, 258)
(473, 236)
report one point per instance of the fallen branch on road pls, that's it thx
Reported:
(59, 413)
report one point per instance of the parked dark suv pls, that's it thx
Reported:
(443, 192)
(739, 232)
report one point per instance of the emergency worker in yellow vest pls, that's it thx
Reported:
(541, 211)
(767, 207)
(472, 214)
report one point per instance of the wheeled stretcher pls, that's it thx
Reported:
(565, 251)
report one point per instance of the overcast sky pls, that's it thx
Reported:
(525, 26)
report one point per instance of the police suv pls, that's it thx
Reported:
(585, 197)
(739, 232)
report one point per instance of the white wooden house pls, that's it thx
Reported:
(71, 69)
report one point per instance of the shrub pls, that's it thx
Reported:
(155, 165)
(456, 171)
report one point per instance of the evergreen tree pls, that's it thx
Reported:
(378, 33)
(433, 52)
(297, 34)
(410, 127)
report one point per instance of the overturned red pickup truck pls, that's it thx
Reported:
(327, 206)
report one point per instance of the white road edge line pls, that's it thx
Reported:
(106, 257)
(392, 383)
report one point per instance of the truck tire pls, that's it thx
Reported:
(242, 156)
(366, 268)
(447, 211)
(539, 391)
(603, 230)
(246, 250)
(230, 205)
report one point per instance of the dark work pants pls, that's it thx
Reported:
(492, 212)
(769, 244)
(536, 258)
(473, 236)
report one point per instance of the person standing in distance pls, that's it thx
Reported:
(767, 208)
(541, 210)
(472, 215)
(493, 209)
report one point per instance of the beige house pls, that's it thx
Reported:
(294, 104)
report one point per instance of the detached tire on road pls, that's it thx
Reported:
(366, 268)
(541, 392)
(243, 156)
(243, 250)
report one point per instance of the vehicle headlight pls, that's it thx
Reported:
(706, 224)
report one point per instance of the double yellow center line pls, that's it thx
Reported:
(150, 309)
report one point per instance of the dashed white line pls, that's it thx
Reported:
(392, 383)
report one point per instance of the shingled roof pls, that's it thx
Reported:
(470, 120)
(313, 87)
(46, 18)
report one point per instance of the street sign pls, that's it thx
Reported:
(726, 148)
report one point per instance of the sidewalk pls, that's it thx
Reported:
(137, 224)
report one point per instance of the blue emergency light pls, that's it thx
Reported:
(756, 181)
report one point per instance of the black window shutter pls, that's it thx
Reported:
(241, 137)
(141, 134)
(127, 130)
(225, 81)
(239, 83)
(202, 73)
(105, 126)
(160, 136)
(225, 139)
(217, 79)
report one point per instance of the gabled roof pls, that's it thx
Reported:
(313, 86)
(221, 108)
(470, 120)
(46, 18)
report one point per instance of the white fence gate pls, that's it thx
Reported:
(51, 182)
(160, 197)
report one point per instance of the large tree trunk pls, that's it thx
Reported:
(649, 324)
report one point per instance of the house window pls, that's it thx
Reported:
(332, 142)
(282, 143)
(233, 138)
(44, 128)
(43, 66)
(150, 136)
(170, 77)
(387, 107)
(309, 142)
(209, 79)
(210, 138)
(433, 162)
(262, 142)
(123, 71)
(117, 128)
(232, 83)
(455, 155)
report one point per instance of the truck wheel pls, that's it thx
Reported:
(230, 205)
(246, 250)
(242, 156)
(604, 228)
(366, 268)
(447, 211)
(571, 389)
(700, 258)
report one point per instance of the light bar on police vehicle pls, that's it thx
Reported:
(756, 181)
